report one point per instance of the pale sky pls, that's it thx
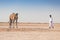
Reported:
(30, 10)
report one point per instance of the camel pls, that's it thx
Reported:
(12, 18)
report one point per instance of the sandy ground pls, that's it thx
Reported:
(28, 31)
(32, 35)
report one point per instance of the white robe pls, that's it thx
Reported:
(51, 22)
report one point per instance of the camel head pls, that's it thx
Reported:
(16, 14)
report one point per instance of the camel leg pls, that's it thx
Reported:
(10, 23)
(16, 24)
(13, 23)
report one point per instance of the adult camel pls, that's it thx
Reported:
(13, 17)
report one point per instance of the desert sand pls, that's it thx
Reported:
(29, 31)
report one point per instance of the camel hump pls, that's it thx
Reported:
(12, 16)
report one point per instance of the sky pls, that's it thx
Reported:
(30, 10)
